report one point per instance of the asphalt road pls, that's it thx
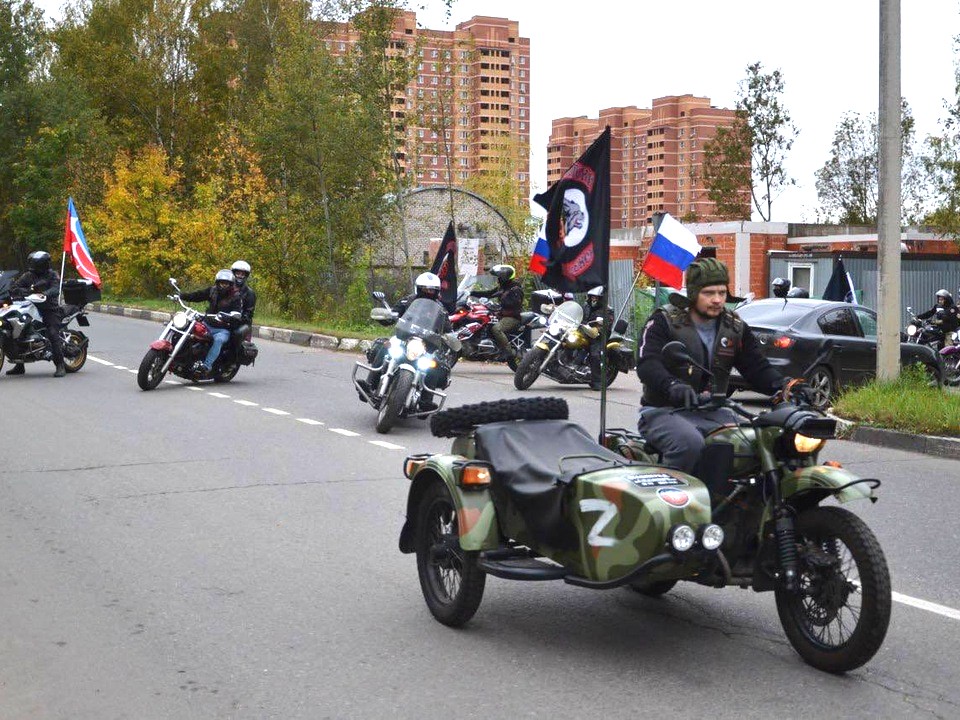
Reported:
(231, 552)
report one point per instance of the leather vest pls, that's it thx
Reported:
(726, 347)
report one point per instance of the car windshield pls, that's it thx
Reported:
(772, 315)
(424, 319)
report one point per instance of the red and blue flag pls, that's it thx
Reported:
(672, 251)
(541, 254)
(75, 247)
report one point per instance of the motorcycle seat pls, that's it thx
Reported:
(530, 474)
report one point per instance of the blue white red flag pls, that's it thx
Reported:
(541, 253)
(75, 247)
(673, 249)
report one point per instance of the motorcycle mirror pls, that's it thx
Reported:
(675, 355)
(909, 309)
(377, 295)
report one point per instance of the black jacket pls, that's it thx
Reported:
(217, 302)
(510, 297)
(249, 299)
(735, 346)
(950, 320)
(47, 283)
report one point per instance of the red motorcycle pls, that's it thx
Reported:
(474, 318)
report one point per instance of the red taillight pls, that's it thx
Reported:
(200, 330)
(783, 342)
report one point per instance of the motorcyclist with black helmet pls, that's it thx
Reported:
(943, 314)
(42, 278)
(222, 298)
(509, 293)
(596, 315)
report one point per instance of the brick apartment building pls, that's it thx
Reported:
(469, 101)
(656, 157)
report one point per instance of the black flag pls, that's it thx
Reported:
(840, 287)
(445, 268)
(578, 221)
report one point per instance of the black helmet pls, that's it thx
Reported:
(781, 286)
(38, 261)
(503, 273)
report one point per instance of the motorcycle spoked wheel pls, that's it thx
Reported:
(450, 578)
(73, 340)
(839, 617)
(529, 368)
(149, 375)
(393, 404)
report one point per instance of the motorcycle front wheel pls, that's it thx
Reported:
(150, 373)
(529, 368)
(838, 618)
(451, 581)
(393, 404)
(73, 343)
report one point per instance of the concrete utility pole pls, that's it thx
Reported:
(888, 238)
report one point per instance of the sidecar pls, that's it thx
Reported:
(525, 494)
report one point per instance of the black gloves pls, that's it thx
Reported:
(682, 395)
(796, 390)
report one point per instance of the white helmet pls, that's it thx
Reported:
(428, 286)
(241, 266)
(225, 276)
(596, 291)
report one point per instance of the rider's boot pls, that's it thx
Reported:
(17, 369)
(60, 371)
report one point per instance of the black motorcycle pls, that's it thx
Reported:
(925, 332)
(23, 337)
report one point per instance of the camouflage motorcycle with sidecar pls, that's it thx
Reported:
(525, 494)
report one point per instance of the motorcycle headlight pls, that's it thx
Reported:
(555, 327)
(682, 538)
(911, 330)
(426, 362)
(573, 337)
(395, 349)
(180, 320)
(711, 537)
(415, 348)
(805, 445)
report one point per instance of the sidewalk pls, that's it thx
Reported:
(944, 447)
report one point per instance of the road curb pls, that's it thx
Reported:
(944, 447)
(284, 335)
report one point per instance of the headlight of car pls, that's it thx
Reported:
(415, 348)
(180, 320)
(911, 330)
(804, 445)
(426, 362)
(395, 349)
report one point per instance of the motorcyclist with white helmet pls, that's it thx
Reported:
(241, 274)
(596, 315)
(222, 298)
(944, 313)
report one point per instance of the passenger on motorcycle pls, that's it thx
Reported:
(222, 297)
(596, 315)
(716, 338)
(509, 292)
(41, 278)
(427, 285)
(944, 313)
(241, 273)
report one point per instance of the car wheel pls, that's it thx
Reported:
(821, 381)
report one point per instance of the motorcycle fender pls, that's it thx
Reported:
(830, 480)
(476, 516)
(163, 345)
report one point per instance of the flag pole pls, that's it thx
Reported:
(63, 259)
(606, 305)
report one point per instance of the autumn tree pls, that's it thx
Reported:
(941, 161)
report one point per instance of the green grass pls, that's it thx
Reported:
(907, 404)
(368, 331)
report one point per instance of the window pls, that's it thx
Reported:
(839, 322)
(868, 323)
(801, 275)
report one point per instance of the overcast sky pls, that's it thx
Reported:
(606, 53)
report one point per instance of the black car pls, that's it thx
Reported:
(792, 331)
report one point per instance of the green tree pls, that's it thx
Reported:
(764, 126)
(941, 161)
(726, 169)
(848, 183)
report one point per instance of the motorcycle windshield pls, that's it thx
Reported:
(423, 319)
(6, 280)
(568, 315)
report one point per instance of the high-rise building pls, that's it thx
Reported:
(656, 157)
(467, 108)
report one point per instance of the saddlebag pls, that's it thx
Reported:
(80, 292)
(248, 353)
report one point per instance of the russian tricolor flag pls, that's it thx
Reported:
(541, 254)
(75, 247)
(673, 249)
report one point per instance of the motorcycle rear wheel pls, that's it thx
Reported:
(73, 364)
(393, 404)
(529, 368)
(814, 618)
(450, 578)
(149, 375)
(225, 376)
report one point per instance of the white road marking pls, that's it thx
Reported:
(346, 433)
(194, 388)
(246, 403)
(927, 605)
(98, 360)
(132, 371)
(173, 382)
(120, 367)
(274, 411)
(385, 444)
(219, 395)
(308, 421)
